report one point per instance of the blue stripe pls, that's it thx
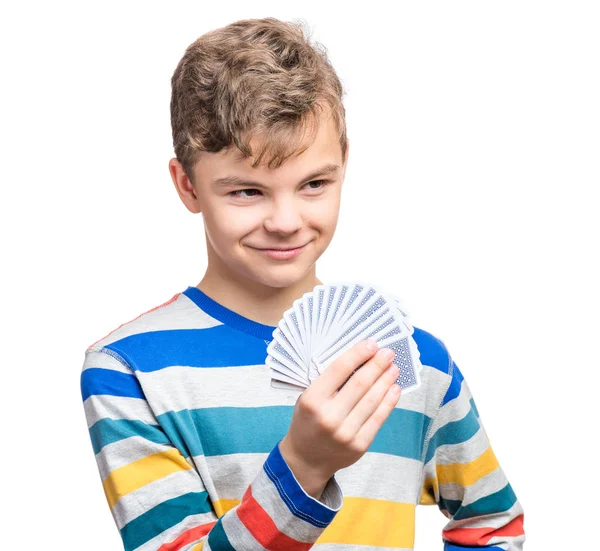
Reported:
(108, 431)
(219, 346)
(229, 430)
(217, 538)
(227, 316)
(432, 351)
(498, 502)
(298, 502)
(96, 380)
(474, 407)
(162, 517)
(455, 385)
(454, 432)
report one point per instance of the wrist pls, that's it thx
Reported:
(312, 480)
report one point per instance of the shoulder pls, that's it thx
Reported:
(433, 352)
(167, 319)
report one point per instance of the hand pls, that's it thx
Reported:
(332, 429)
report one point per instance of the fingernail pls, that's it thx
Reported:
(388, 354)
(371, 345)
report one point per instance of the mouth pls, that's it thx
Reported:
(282, 253)
(280, 248)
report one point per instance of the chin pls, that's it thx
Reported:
(281, 280)
(277, 277)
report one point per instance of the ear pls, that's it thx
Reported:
(184, 187)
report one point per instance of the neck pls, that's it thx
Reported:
(253, 300)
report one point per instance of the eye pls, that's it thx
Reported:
(238, 192)
(322, 182)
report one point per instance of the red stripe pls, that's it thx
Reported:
(187, 537)
(261, 526)
(481, 536)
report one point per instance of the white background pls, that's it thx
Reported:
(471, 193)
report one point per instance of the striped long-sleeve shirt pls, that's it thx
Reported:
(185, 428)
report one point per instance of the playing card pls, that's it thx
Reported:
(299, 310)
(366, 296)
(381, 319)
(355, 290)
(332, 326)
(282, 373)
(307, 301)
(291, 329)
(319, 300)
(285, 361)
(409, 378)
(324, 323)
(327, 308)
(275, 383)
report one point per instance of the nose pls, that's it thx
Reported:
(284, 217)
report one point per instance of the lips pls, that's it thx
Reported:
(279, 249)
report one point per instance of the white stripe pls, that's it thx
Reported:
(232, 473)
(96, 359)
(496, 520)
(238, 534)
(512, 543)
(181, 387)
(121, 453)
(455, 410)
(236, 472)
(182, 313)
(462, 452)
(382, 476)
(428, 397)
(104, 406)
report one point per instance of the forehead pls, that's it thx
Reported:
(230, 161)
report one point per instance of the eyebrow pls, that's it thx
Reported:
(232, 180)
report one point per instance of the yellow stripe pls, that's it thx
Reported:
(361, 521)
(376, 522)
(429, 491)
(221, 506)
(199, 546)
(130, 477)
(466, 474)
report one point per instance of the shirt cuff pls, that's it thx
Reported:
(319, 512)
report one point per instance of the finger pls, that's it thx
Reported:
(369, 403)
(340, 369)
(362, 381)
(369, 430)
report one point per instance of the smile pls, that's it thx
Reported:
(283, 254)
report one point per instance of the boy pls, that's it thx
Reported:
(195, 449)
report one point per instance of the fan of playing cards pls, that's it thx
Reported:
(329, 320)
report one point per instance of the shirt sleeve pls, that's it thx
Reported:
(462, 476)
(156, 495)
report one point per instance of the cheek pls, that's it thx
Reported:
(230, 225)
(325, 213)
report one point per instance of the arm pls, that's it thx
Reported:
(463, 477)
(156, 496)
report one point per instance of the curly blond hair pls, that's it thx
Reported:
(253, 78)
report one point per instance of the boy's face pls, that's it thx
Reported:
(282, 208)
